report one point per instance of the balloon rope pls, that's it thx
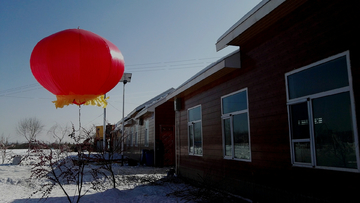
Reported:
(79, 118)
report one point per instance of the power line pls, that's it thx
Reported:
(17, 92)
(171, 65)
(20, 88)
(95, 118)
(167, 65)
(179, 61)
(23, 97)
(113, 106)
(23, 86)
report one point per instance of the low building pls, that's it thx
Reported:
(149, 132)
(99, 137)
(277, 120)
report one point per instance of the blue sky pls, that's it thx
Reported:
(163, 42)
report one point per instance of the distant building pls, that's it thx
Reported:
(149, 132)
(99, 141)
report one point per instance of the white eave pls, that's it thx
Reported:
(150, 108)
(129, 122)
(257, 14)
(142, 112)
(213, 71)
(253, 16)
(150, 105)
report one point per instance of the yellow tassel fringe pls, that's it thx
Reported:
(95, 100)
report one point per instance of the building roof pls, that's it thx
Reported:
(215, 70)
(143, 107)
(153, 100)
(256, 20)
(150, 106)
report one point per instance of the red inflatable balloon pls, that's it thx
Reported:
(78, 66)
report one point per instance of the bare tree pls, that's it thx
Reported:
(111, 156)
(4, 144)
(59, 133)
(67, 170)
(29, 128)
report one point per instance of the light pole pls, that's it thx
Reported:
(125, 79)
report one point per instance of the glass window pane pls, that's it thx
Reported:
(191, 139)
(147, 133)
(241, 136)
(197, 138)
(227, 137)
(235, 102)
(131, 138)
(299, 121)
(327, 76)
(302, 152)
(146, 137)
(334, 136)
(194, 114)
(136, 138)
(127, 138)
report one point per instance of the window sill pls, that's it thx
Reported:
(196, 155)
(327, 168)
(235, 159)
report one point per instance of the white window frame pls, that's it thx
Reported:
(230, 116)
(308, 99)
(192, 123)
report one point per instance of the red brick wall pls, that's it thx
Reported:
(164, 116)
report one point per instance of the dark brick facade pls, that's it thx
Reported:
(314, 31)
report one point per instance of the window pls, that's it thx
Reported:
(127, 137)
(136, 135)
(146, 134)
(321, 115)
(195, 134)
(235, 125)
(131, 136)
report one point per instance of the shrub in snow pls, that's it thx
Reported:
(53, 169)
(4, 145)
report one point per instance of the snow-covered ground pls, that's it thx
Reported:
(137, 184)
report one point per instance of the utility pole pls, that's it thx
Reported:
(104, 128)
(125, 79)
